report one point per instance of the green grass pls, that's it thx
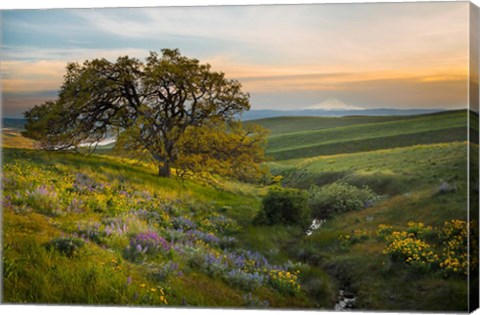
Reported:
(372, 144)
(12, 138)
(437, 128)
(406, 159)
(390, 171)
(99, 272)
(285, 125)
(410, 177)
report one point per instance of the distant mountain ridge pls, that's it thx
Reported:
(14, 123)
(333, 104)
(19, 123)
(268, 113)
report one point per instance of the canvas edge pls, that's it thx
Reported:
(473, 155)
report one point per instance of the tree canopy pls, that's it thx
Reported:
(179, 111)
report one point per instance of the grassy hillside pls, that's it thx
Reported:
(288, 124)
(102, 230)
(435, 128)
(408, 162)
(390, 171)
(351, 247)
(105, 230)
(12, 138)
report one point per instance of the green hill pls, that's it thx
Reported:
(72, 224)
(360, 136)
(105, 230)
(288, 124)
(408, 161)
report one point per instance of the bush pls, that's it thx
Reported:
(65, 245)
(339, 197)
(244, 280)
(285, 206)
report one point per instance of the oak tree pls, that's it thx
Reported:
(178, 110)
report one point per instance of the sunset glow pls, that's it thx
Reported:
(395, 55)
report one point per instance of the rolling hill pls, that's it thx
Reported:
(303, 137)
(408, 161)
(269, 113)
(106, 202)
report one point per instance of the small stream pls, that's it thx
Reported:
(316, 224)
(346, 301)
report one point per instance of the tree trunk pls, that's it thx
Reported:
(165, 170)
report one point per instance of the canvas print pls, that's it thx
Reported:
(319, 157)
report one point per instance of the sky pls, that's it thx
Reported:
(377, 55)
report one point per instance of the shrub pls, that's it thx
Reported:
(243, 280)
(339, 197)
(285, 281)
(420, 247)
(65, 245)
(384, 230)
(454, 236)
(285, 206)
(404, 246)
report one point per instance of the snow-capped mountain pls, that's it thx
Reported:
(333, 104)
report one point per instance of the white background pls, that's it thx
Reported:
(83, 310)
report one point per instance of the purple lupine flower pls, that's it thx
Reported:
(149, 242)
(108, 230)
(116, 226)
(90, 232)
(75, 205)
(182, 222)
(206, 237)
(43, 191)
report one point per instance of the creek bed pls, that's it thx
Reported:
(316, 224)
(346, 301)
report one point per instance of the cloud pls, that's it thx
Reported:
(391, 93)
(372, 35)
(18, 76)
(45, 72)
(360, 53)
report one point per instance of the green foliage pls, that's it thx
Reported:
(171, 107)
(66, 245)
(228, 150)
(339, 197)
(48, 125)
(429, 249)
(285, 206)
